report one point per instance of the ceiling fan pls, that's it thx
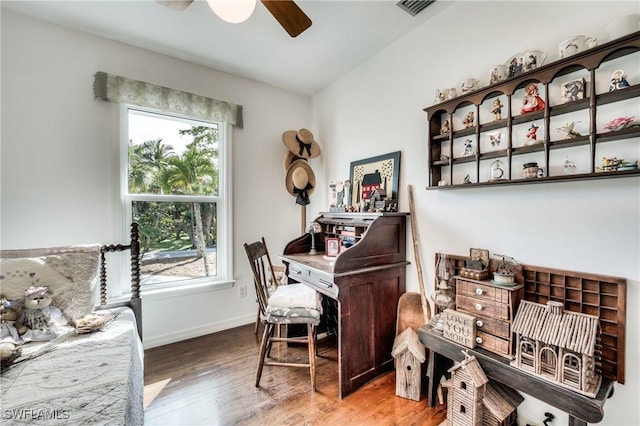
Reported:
(286, 12)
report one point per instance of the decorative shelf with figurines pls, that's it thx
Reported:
(572, 119)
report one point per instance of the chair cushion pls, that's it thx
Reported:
(294, 315)
(294, 303)
(295, 296)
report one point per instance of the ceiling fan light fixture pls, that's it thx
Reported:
(233, 11)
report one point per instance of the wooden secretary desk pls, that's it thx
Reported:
(365, 280)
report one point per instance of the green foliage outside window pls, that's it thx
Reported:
(156, 168)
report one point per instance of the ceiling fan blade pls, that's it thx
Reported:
(176, 4)
(290, 16)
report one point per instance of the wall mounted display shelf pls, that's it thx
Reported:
(454, 164)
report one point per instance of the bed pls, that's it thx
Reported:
(80, 376)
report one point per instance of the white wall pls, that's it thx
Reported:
(60, 174)
(590, 226)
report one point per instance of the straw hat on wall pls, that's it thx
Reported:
(300, 181)
(301, 143)
(288, 160)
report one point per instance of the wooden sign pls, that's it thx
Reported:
(459, 328)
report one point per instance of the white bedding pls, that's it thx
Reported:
(94, 378)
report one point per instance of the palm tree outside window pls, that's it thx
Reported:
(175, 190)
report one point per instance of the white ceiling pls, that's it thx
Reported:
(343, 35)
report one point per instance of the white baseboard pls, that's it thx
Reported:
(190, 333)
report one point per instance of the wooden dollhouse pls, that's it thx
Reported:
(558, 345)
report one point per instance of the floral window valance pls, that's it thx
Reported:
(113, 88)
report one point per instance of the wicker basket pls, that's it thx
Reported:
(475, 274)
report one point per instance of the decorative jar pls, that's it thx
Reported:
(530, 170)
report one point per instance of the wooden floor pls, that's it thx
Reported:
(210, 381)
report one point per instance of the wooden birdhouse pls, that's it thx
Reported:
(468, 383)
(409, 354)
(473, 400)
(500, 405)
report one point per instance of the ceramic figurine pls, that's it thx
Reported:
(618, 81)
(468, 119)
(445, 127)
(568, 128)
(340, 194)
(496, 110)
(468, 148)
(347, 193)
(610, 164)
(532, 100)
(334, 194)
(532, 133)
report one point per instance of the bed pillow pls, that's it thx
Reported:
(71, 273)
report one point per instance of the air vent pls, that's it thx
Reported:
(413, 7)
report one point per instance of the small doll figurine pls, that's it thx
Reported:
(532, 100)
(497, 110)
(532, 133)
(468, 148)
(445, 127)
(618, 81)
(468, 119)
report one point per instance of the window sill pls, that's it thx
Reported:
(184, 289)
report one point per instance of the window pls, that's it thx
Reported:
(175, 187)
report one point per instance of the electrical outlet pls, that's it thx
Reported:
(242, 290)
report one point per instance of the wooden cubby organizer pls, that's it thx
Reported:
(447, 164)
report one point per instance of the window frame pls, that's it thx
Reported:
(223, 200)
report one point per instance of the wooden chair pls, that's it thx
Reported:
(288, 304)
(273, 281)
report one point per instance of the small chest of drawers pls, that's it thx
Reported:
(494, 307)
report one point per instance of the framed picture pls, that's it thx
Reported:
(573, 90)
(376, 179)
(332, 246)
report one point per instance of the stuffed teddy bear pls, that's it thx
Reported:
(39, 316)
(10, 329)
